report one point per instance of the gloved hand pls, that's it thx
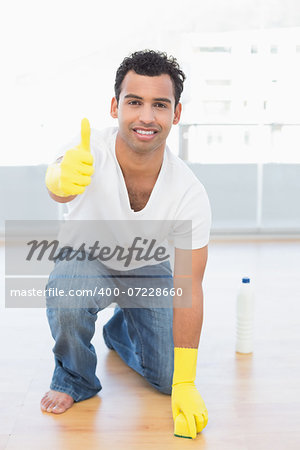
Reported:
(189, 410)
(73, 174)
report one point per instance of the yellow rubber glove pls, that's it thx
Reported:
(73, 174)
(189, 410)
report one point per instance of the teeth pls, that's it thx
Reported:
(144, 132)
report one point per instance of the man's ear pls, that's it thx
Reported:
(177, 114)
(114, 108)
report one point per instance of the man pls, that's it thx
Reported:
(129, 174)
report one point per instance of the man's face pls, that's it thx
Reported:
(145, 111)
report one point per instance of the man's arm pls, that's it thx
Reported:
(187, 321)
(61, 199)
(189, 410)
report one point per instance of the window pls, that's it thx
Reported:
(236, 103)
(218, 82)
(274, 49)
(214, 49)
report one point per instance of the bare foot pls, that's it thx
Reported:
(56, 402)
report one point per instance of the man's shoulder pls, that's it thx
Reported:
(177, 163)
(181, 172)
(103, 135)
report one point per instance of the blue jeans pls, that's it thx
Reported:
(140, 330)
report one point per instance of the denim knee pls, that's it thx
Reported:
(165, 384)
(165, 389)
(164, 378)
(69, 320)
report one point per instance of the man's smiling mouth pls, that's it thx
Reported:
(144, 132)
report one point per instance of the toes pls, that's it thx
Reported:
(58, 409)
(45, 402)
(44, 399)
(50, 407)
(55, 402)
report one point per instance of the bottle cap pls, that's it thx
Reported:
(246, 280)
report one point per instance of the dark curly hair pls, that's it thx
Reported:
(151, 63)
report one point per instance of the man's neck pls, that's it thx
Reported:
(134, 164)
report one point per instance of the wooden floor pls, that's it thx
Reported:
(253, 401)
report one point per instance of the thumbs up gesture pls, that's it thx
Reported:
(73, 174)
(77, 164)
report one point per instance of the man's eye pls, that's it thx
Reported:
(160, 105)
(133, 102)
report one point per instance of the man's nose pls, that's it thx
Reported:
(147, 114)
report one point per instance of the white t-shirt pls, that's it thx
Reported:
(177, 213)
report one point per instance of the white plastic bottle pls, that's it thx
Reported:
(245, 317)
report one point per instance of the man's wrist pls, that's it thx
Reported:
(185, 364)
(52, 180)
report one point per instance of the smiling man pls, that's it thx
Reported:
(128, 175)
